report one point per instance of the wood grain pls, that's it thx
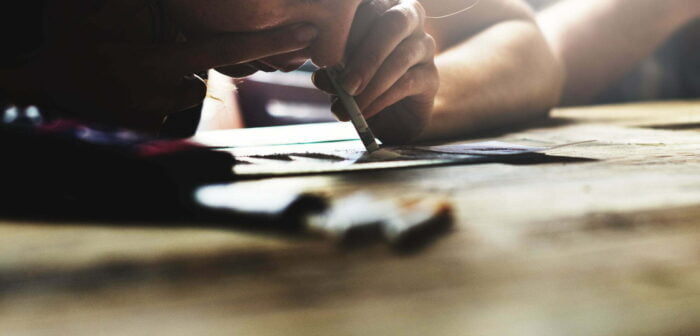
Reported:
(607, 246)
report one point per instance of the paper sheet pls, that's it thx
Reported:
(335, 147)
(345, 156)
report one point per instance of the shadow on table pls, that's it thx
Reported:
(676, 127)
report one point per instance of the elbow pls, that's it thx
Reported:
(553, 72)
(553, 82)
(547, 74)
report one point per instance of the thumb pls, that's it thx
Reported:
(236, 48)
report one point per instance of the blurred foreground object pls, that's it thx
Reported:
(64, 168)
(360, 219)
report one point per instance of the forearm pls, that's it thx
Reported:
(504, 75)
(599, 41)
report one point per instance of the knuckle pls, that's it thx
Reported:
(408, 83)
(406, 54)
(420, 11)
(405, 59)
(397, 20)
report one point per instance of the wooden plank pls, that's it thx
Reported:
(607, 246)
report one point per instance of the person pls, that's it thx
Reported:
(129, 63)
(496, 70)
(625, 50)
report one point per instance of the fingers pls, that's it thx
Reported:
(322, 81)
(404, 108)
(400, 124)
(237, 48)
(338, 109)
(392, 71)
(392, 81)
(394, 25)
(413, 52)
(367, 14)
(420, 84)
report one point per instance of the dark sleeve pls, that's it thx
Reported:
(21, 30)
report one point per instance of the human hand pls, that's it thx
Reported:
(389, 69)
(105, 66)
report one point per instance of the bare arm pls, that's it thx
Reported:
(601, 40)
(495, 66)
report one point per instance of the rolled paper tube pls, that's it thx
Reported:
(361, 126)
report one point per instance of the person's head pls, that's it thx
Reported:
(333, 18)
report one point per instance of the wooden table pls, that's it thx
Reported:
(604, 246)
